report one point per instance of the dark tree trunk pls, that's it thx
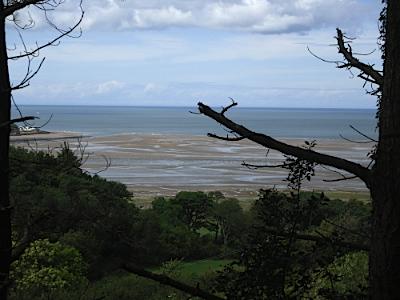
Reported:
(5, 209)
(385, 187)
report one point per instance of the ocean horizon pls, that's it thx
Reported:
(302, 123)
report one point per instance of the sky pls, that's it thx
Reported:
(179, 52)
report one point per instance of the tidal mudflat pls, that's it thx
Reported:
(158, 164)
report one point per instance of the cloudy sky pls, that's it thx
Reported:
(177, 52)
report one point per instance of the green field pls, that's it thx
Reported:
(201, 267)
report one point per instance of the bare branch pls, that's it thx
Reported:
(17, 120)
(337, 62)
(354, 141)
(254, 166)
(343, 177)
(28, 76)
(366, 78)
(165, 280)
(355, 62)
(365, 54)
(269, 142)
(340, 179)
(225, 109)
(52, 42)
(227, 138)
(363, 134)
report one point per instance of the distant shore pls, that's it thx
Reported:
(163, 164)
(45, 136)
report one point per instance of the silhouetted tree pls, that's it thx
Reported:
(382, 177)
(9, 16)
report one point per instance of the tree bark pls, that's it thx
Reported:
(385, 187)
(5, 209)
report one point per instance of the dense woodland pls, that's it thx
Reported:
(83, 229)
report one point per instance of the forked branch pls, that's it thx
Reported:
(53, 42)
(368, 73)
(268, 142)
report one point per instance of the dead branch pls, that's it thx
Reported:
(53, 42)
(363, 134)
(225, 109)
(227, 138)
(17, 120)
(340, 179)
(165, 280)
(336, 62)
(354, 141)
(343, 177)
(354, 62)
(269, 142)
(28, 76)
(254, 166)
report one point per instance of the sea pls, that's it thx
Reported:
(302, 123)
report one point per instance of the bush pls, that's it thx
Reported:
(46, 268)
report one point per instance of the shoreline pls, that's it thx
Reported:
(46, 136)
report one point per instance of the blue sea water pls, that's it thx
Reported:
(276, 122)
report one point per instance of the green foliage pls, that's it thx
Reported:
(47, 267)
(195, 207)
(230, 222)
(181, 220)
(346, 277)
(119, 286)
(275, 263)
(54, 198)
(299, 169)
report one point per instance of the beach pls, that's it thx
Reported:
(163, 164)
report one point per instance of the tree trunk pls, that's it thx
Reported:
(385, 187)
(5, 209)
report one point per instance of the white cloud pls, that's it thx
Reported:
(76, 90)
(149, 87)
(262, 16)
(169, 16)
(189, 93)
(109, 86)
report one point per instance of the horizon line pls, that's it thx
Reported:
(186, 106)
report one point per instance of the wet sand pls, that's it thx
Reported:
(165, 164)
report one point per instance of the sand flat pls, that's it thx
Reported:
(158, 164)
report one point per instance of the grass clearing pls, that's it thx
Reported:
(201, 267)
